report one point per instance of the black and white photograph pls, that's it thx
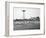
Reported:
(26, 18)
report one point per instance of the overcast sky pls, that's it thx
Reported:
(29, 12)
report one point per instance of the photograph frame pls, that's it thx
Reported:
(7, 18)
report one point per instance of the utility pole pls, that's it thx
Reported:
(23, 15)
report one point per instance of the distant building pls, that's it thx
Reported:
(22, 21)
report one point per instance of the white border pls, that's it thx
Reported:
(26, 32)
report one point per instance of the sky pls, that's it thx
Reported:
(29, 12)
